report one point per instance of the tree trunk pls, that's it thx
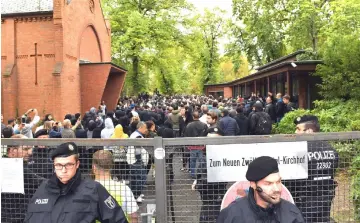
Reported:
(135, 76)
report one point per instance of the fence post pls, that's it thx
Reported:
(160, 180)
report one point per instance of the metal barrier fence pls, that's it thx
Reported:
(156, 171)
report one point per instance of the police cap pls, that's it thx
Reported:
(305, 118)
(261, 167)
(65, 150)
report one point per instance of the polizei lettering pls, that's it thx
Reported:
(321, 155)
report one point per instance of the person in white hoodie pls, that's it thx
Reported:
(107, 132)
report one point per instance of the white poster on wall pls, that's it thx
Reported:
(227, 163)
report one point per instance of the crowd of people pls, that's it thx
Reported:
(144, 117)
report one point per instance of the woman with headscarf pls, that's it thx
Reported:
(119, 154)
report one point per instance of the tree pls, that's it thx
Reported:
(341, 51)
(140, 28)
(267, 30)
(230, 71)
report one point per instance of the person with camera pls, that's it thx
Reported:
(26, 125)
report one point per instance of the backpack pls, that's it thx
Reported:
(264, 123)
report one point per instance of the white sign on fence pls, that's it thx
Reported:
(227, 163)
(12, 180)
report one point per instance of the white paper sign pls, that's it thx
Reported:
(12, 175)
(227, 163)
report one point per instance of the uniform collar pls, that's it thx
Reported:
(262, 213)
(55, 186)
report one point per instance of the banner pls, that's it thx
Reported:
(227, 163)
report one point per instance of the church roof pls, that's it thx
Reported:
(25, 6)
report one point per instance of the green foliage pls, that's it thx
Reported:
(287, 126)
(334, 116)
(165, 44)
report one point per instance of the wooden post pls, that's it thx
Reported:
(245, 94)
(288, 83)
(268, 84)
(255, 87)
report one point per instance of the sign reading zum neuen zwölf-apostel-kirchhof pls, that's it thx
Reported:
(227, 163)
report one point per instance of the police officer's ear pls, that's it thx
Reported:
(309, 130)
(253, 185)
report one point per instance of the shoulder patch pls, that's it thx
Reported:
(110, 203)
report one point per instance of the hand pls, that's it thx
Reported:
(194, 185)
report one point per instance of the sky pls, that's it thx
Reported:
(210, 4)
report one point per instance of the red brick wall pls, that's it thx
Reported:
(72, 32)
(213, 89)
(77, 17)
(113, 90)
(92, 86)
(8, 84)
(18, 38)
(228, 92)
(89, 46)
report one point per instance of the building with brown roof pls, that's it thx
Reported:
(286, 75)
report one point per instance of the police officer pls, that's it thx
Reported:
(314, 195)
(66, 197)
(263, 203)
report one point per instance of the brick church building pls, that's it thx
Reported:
(56, 57)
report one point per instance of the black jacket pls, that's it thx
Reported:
(271, 110)
(78, 201)
(149, 116)
(289, 107)
(229, 126)
(243, 123)
(196, 129)
(280, 109)
(13, 206)
(245, 210)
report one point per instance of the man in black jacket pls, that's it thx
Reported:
(260, 122)
(66, 197)
(242, 121)
(263, 203)
(280, 107)
(270, 109)
(195, 129)
(289, 106)
(228, 124)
